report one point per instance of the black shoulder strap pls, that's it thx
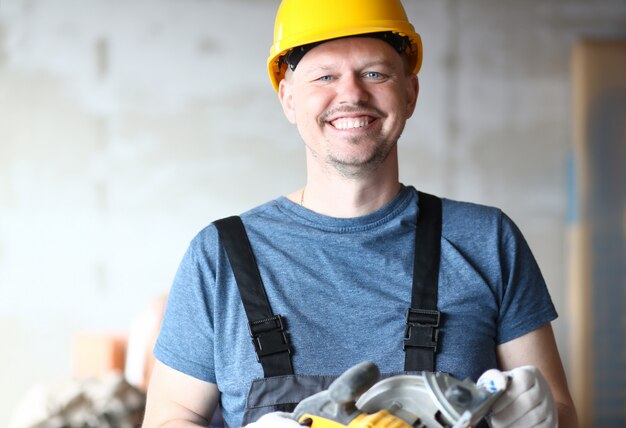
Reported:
(422, 320)
(266, 329)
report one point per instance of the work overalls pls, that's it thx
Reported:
(281, 389)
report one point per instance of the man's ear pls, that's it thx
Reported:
(285, 96)
(413, 88)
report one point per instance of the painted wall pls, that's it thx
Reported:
(127, 126)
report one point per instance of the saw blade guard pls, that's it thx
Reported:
(430, 400)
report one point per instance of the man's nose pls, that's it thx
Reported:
(352, 90)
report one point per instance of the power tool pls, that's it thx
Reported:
(358, 399)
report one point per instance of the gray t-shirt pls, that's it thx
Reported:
(344, 286)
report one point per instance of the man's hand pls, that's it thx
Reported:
(275, 420)
(527, 401)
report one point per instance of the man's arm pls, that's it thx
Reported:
(177, 400)
(538, 348)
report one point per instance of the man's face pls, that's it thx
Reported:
(350, 99)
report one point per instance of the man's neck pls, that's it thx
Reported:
(342, 197)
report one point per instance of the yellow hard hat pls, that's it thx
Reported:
(301, 22)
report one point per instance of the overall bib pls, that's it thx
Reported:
(281, 389)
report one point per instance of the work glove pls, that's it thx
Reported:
(526, 402)
(275, 420)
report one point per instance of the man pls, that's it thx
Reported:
(337, 258)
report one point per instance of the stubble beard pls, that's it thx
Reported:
(358, 168)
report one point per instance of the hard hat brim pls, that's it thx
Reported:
(276, 68)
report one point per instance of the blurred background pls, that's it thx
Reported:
(127, 126)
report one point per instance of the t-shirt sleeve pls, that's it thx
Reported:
(186, 339)
(525, 301)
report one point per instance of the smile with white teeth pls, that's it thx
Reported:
(350, 122)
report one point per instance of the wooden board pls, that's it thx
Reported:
(597, 233)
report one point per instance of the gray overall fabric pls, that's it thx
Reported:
(266, 394)
(343, 287)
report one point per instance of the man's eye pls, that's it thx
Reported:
(374, 75)
(325, 78)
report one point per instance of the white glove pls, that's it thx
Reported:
(275, 420)
(526, 402)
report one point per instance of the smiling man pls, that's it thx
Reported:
(377, 98)
(354, 265)
(350, 99)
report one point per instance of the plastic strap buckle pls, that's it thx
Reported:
(421, 329)
(268, 337)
